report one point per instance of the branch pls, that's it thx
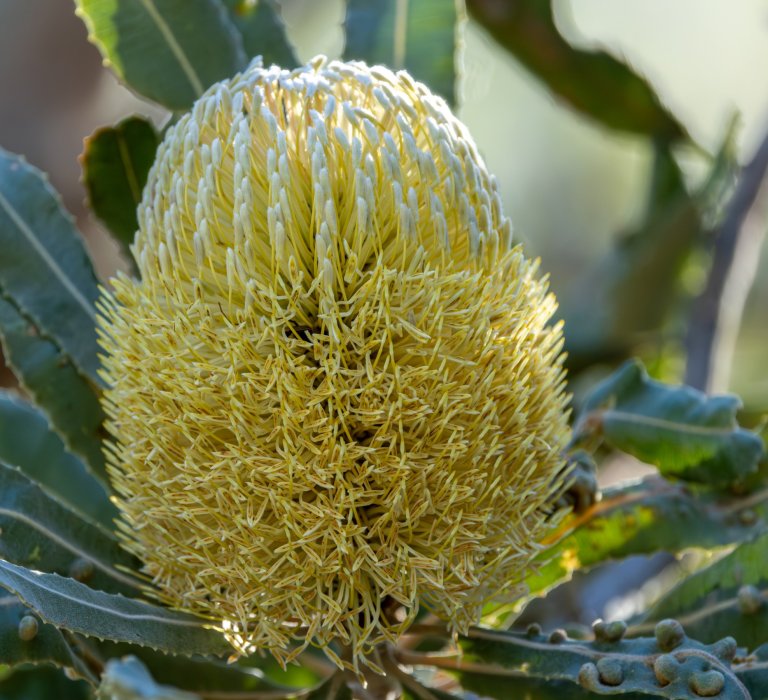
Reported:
(716, 314)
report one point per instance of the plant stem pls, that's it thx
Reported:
(716, 314)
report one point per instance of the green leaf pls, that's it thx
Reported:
(169, 51)
(418, 35)
(115, 162)
(128, 679)
(39, 531)
(48, 645)
(505, 665)
(27, 442)
(714, 602)
(642, 518)
(262, 31)
(44, 268)
(73, 606)
(685, 433)
(69, 399)
(42, 684)
(590, 82)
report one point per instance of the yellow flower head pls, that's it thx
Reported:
(333, 392)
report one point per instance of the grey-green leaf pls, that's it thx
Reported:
(27, 442)
(115, 162)
(44, 267)
(421, 36)
(67, 397)
(727, 597)
(169, 51)
(40, 532)
(129, 679)
(262, 31)
(46, 646)
(505, 665)
(73, 606)
(685, 433)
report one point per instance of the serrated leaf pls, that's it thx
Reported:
(169, 51)
(47, 647)
(505, 665)
(262, 31)
(45, 269)
(685, 433)
(707, 602)
(42, 684)
(27, 442)
(115, 162)
(69, 400)
(642, 518)
(418, 35)
(40, 532)
(73, 606)
(580, 78)
(128, 679)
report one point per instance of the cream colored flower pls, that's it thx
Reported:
(333, 390)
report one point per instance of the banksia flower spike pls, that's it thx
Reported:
(333, 390)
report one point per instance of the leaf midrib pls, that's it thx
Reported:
(671, 426)
(40, 583)
(40, 249)
(130, 171)
(105, 568)
(174, 46)
(399, 33)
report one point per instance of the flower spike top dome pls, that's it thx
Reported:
(333, 392)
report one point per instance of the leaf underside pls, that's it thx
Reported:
(685, 433)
